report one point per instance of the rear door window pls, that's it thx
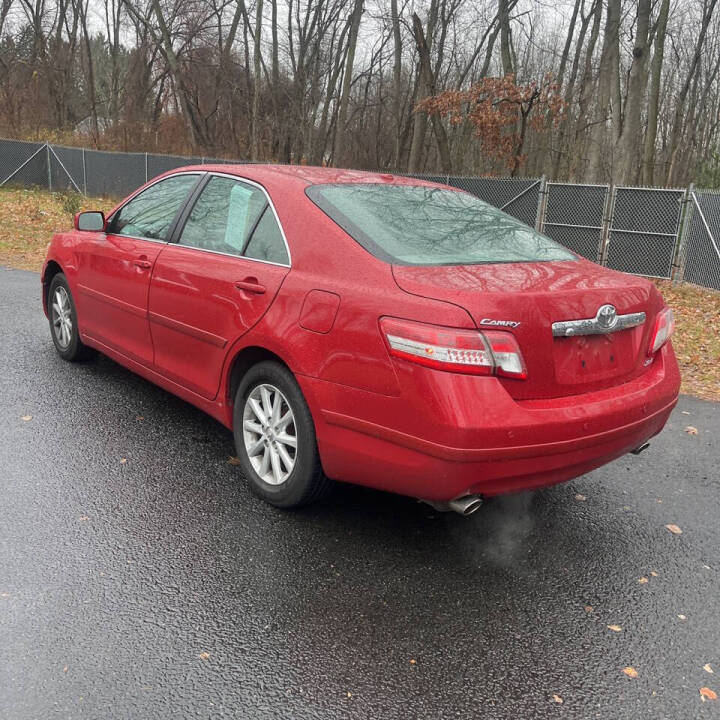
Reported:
(224, 216)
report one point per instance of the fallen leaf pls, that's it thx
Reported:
(349, 694)
(204, 655)
(642, 580)
(5, 594)
(413, 662)
(614, 628)
(232, 460)
(631, 672)
(558, 699)
(707, 668)
(83, 518)
(707, 694)
(123, 461)
(674, 529)
(659, 500)
(26, 418)
(588, 608)
(653, 573)
(65, 669)
(690, 430)
(682, 617)
(580, 497)
(139, 418)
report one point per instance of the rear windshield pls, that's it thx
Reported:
(416, 225)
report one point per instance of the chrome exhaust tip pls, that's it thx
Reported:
(466, 505)
(640, 448)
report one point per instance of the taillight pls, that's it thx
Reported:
(506, 352)
(664, 328)
(454, 349)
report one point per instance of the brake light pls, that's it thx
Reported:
(506, 352)
(664, 328)
(454, 349)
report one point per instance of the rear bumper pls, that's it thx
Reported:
(459, 435)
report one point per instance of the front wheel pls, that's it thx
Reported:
(275, 438)
(63, 321)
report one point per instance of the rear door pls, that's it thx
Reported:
(115, 267)
(219, 278)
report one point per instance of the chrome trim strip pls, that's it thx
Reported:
(232, 255)
(592, 326)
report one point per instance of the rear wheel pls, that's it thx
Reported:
(63, 321)
(275, 438)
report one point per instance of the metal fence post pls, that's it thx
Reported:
(146, 167)
(678, 267)
(49, 168)
(84, 173)
(542, 204)
(606, 224)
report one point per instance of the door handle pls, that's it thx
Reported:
(144, 264)
(250, 285)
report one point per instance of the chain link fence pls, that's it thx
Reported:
(699, 255)
(655, 232)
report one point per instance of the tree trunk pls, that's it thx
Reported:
(342, 146)
(429, 82)
(648, 170)
(682, 97)
(600, 148)
(257, 86)
(505, 37)
(629, 155)
(397, 78)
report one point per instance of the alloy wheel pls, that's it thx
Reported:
(270, 434)
(62, 317)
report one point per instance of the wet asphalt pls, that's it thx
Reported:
(140, 578)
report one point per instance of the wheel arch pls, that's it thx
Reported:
(244, 359)
(52, 268)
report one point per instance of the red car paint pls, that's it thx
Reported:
(183, 318)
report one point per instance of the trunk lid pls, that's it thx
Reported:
(535, 295)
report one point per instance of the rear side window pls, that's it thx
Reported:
(418, 225)
(267, 241)
(151, 213)
(224, 216)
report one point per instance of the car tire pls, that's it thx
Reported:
(280, 474)
(62, 315)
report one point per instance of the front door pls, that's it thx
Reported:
(216, 283)
(115, 267)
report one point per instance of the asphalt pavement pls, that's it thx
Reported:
(139, 577)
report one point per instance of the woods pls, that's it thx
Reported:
(582, 90)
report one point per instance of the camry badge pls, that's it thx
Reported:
(500, 323)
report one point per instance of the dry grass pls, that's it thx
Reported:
(28, 218)
(697, 337)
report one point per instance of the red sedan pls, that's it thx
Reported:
(367, 328)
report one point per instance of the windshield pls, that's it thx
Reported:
(416, 225)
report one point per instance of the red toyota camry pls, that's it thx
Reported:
(367, 328)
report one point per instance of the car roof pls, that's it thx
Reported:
(301, 175)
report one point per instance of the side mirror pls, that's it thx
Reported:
(92, 221)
